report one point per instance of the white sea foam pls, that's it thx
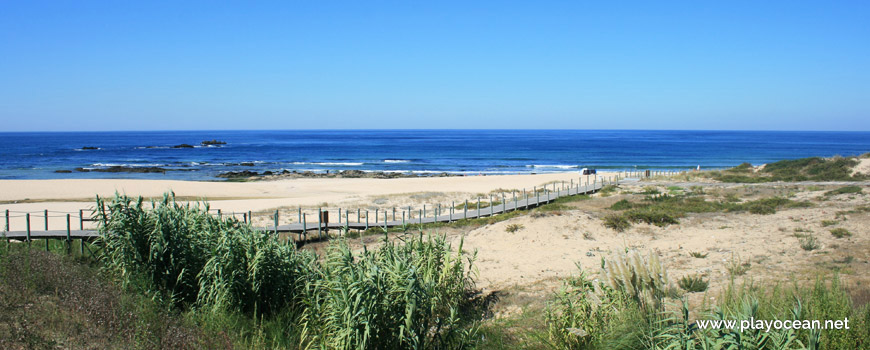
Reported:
(329, 163)
(553, 166)
(105, 165)
(396, 161)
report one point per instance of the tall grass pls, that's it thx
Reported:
(584, 315)
(415, 294)
(180, 252)
(402, 296)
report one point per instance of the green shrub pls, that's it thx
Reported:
(622, 204)
(651, 215)
(693, 284)
(841, 232)
(809, 243)
(616, 222)
(826, 223)
(650, 190)
(698, 255)
(511, 228)
(844, 190)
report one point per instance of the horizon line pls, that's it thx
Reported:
(420, 129)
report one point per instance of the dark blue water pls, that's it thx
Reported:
(39, 155)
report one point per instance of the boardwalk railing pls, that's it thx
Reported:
(385, 219)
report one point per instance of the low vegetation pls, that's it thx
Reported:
(736, 266)
(826, 223)
(841, 232)
(664, 210)
(608, 190)
(594, 314)
(809, 243)
(844, 190)
(698, 255)
(804, 169)
(693, 284)
(511, 228)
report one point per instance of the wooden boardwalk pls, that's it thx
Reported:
(509, 205)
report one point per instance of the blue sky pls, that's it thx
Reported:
(152, 65)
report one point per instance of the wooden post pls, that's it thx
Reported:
(68, 240)
(403, 220)
(367, 220)
(452, 206)
(394, 213)
(250, 218)
(299, 213)
(478, 206)
(385, 222)
(220, 216)
(28, 228)
(346, 221)
(339, 216)
(7, 220)
(245, 217)
(514, 193)
(276, 222)
(320, 223)
(465, 212)
(304, 226)
(526, 197)
(491, 205)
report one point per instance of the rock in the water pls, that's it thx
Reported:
(90, 148)
(183, 145)
(235, 174)
(213, 142)
(63, 171)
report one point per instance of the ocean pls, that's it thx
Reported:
(58, 155)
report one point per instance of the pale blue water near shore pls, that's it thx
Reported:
(38, 155)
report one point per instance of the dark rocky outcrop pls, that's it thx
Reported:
(212, 143)
(63, 171)
(183, 145)
(238, 174)
(86, 148)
